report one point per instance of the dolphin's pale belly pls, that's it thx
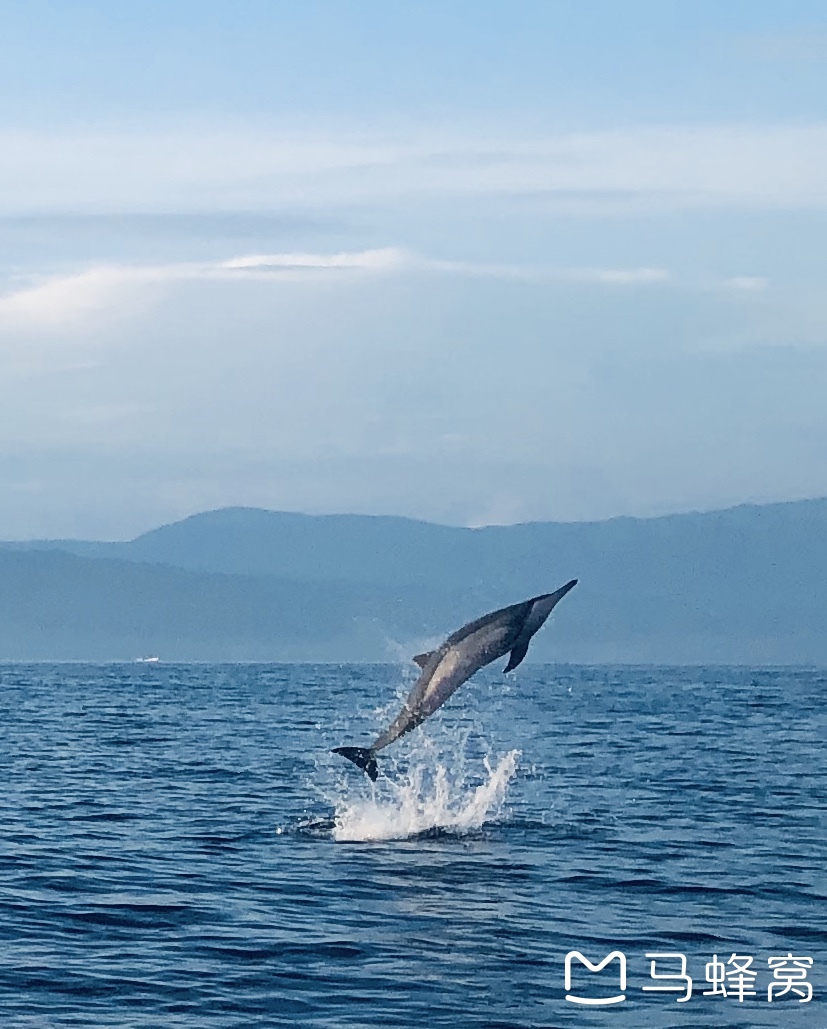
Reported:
(459, 664)
(433, 688)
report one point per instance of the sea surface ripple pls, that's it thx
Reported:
(179, 847)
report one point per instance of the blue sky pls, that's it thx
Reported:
(467, 262)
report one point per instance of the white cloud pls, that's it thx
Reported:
(747, 283)
(252, 168)
(387, 259)
(66, 301)
(620, 276)
(545, 273)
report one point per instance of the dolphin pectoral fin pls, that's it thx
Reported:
(517, 654)
(423, 659)
(361, 756)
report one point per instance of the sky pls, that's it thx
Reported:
(474, 263)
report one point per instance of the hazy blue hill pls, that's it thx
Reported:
(59, 606)
(322, 548)
(351, 548)
(747, 585)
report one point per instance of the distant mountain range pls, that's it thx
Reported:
(745, 585)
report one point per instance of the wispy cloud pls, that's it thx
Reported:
(747, 283)
(65, 301)
(62, 301)
(544, 273)
(618, 276)
(387, 259)
(243, 168)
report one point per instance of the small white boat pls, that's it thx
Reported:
(147, 660)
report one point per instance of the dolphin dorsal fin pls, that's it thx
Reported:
(423, 659)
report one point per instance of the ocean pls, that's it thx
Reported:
(180, 848)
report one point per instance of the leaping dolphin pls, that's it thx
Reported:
(445, 669)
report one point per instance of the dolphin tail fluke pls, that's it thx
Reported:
(364, 757)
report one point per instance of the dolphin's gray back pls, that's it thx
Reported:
(513, 615)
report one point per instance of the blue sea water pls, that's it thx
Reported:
(179, 847)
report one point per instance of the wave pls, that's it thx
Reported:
(428, 798)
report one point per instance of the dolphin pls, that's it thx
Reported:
(445, 669)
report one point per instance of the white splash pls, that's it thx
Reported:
(425, 800)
